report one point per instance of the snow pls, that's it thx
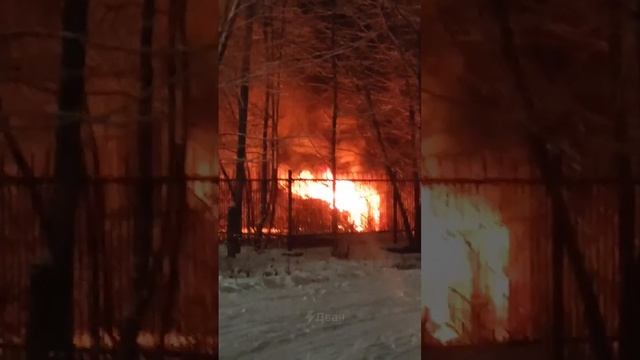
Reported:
(314, 306)
(519, 351)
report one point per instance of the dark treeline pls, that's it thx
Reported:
(121, 94)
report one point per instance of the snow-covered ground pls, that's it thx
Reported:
(314, 306)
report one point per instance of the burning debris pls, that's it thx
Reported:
(465, 258)
(361, 203)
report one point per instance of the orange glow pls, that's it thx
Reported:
(264, 230)
(466, 253)
(360, 202)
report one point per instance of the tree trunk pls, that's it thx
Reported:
(144, 189)
(101, 316)
(275, 117)
(177, 188)
(552, 175)
(334, 123)
(230, 11)
(625, 186)
(264, 162)
(56, 295)
(413, 244)
(557, 284)
(416, 175)
(636, 315)
(235, 225)
(177, 207)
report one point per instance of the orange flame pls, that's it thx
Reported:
(360, 202)
(465, 257)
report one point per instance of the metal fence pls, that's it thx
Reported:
(278, 207)
(103, 267)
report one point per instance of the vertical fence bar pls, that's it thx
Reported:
(557, 255)
(4, 269)
(557, 282)
(334, 210)
(289, 211)
(394, 220)
(417, 210)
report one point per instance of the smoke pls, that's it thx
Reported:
(305, 133)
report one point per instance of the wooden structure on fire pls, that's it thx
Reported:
(312, 217)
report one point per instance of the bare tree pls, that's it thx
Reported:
(56, 279)
(552, 174)
(626, 190)
(177, 202)
(230, 12)
(334, 120)
(144, 209)
(235, 212)
(636, 294)
(267, 32)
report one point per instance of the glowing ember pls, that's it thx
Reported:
(465, 256)
(360, 202)
(264, 230)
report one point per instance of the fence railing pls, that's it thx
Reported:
(103, 263)
(301, 206)
(522, 204)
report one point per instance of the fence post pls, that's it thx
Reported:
(394, 212)
(2, 200)
(289, 212)
(417, 211)
(557, 281)
(334, 210)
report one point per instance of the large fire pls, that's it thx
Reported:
(466, 252)
(359, 201)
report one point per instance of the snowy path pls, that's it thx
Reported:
(322, 308)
